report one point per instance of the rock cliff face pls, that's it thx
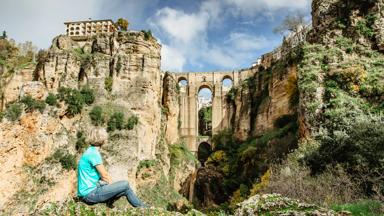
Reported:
(171, 107)
(124, 71)
(262, 99)
(330, 19)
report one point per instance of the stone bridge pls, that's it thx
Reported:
(189, 102)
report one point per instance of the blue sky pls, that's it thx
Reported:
(196, 35)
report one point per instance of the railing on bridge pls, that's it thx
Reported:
(289, 43)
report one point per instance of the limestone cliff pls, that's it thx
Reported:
(124, 71)
(262, 99)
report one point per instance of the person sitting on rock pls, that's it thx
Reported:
(94, 185)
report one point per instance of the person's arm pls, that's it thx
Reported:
(103, 173)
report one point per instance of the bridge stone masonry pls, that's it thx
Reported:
(189, 102)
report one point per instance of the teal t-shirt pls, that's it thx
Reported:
(87, 175)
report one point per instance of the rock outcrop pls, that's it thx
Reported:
(171, 108)
(275, 204)
(262, 99)
(124, 70)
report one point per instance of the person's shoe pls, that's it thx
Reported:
(109, 204)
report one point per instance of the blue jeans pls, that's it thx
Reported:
(108, 193)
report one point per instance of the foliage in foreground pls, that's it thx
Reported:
(244, 163)
(123, 208)
(364, 207)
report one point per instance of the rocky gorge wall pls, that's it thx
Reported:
(123, 69)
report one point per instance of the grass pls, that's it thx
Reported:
(362, 208)
(180, 153)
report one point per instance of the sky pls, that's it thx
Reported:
(196, 35)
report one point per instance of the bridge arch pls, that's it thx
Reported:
(203, 152)
(189, 103)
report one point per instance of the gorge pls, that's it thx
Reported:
(306, 122)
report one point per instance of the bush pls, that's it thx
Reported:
(180, 153)
(75, 102)
(63, 93)
(76, 99)
(32, 104)
(96, 115)
(364, 26)
(364, 207)
(146, 164)
(51, 99)
(230, 97)
(356, 144)
(132, 122)
(224, 140)
(147, 34)
(88, 95)
(295, 181)
(108, 82)
(80, 142)
(116, 122)
(67, 160)
(13, 111)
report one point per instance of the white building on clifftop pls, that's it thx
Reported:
(89, 27)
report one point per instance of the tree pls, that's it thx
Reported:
(4, 35)
(122, 24)
(8, 64)
(291, 23)
(205, 121)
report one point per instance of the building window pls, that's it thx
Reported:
(77, 33)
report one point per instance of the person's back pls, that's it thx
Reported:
(94, 183)
(88, 176)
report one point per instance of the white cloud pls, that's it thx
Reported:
(172, 59)
(246, 42)
(181, 26)
(264, 7)
(185, 34)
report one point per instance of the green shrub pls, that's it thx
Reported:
(116, 122)
(180, 153)
(96, 115)
(146, 164)
(75, 102)
(132, 122)
(364, 207)
(2, 114)
(147, 34)
(51, 99)
(230, 97)
(32, 104)
(67, 160)
(224, 140)
(355, 143)
(364, 26)
(345, 44)
(86, 59)
(108, 82)
(13, 111)
(80, 142)
(76, 99)
(88, 94)
(63, 93)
